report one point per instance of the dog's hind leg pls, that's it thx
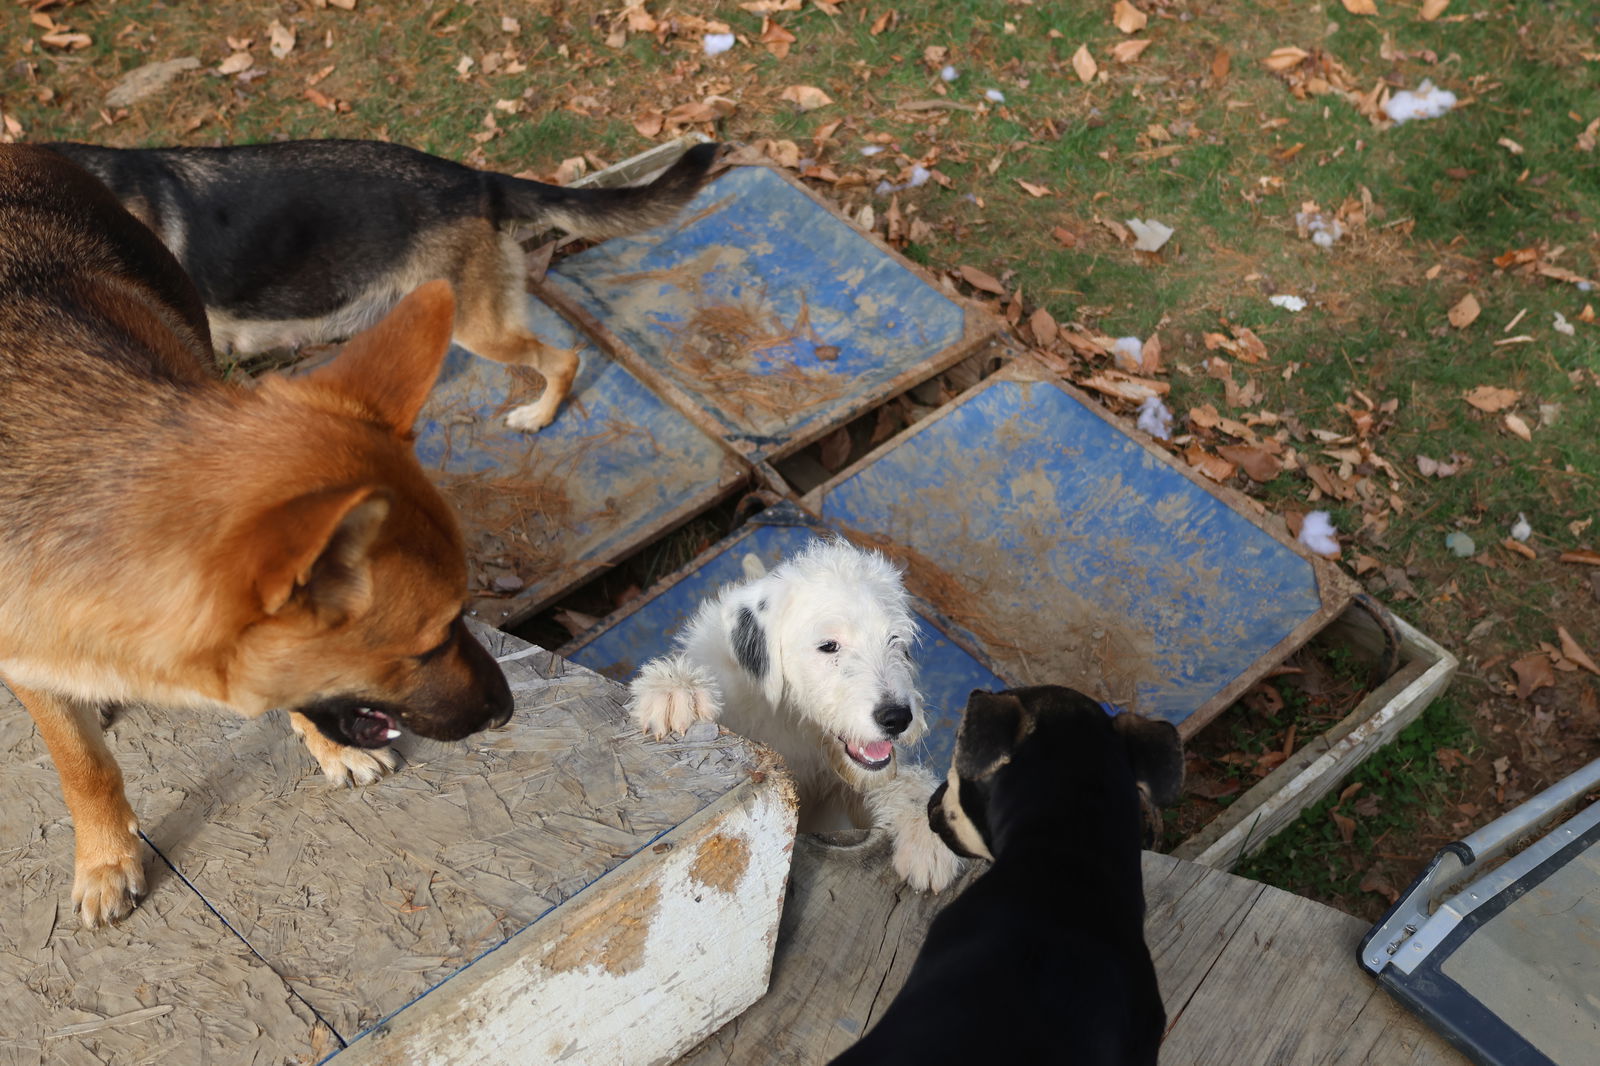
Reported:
(342, 764)
(491, 319)
(900, 806)
(671, 694)
(108, 877)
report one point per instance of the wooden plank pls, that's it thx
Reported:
(170, 984)
(1311, 773)
(1249, 974)
(1287, 989)
(675, 925)
(849, 935)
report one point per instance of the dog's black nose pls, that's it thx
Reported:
(893, 716)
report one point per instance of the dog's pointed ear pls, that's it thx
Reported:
(990, 729)
(316, 548)
(1156, 754)
(389, 369)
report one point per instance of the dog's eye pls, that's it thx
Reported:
(828, 647)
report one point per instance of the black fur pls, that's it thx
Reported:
(296, 229)
(1042, 959)
(750, 644)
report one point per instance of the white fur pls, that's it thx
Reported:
(807, 703)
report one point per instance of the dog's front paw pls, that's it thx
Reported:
(106, 889)
(532, 417)
(924, 862)
(671, 694)
(342, 764)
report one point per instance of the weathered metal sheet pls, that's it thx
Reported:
(1075, 554)
(543, 512)
(947, 670)
(764, 313)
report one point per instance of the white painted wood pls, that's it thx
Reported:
(634, 970)
(1279, 798)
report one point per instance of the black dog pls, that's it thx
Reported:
(305, 242)
(1042, 959)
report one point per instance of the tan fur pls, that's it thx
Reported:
(169, 538)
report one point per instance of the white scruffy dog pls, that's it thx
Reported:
(813, 660)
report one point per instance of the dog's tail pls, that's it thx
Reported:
(600, 213)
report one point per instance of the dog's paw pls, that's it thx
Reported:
(671, 694)
(531, 417)
(924, 862)
(106, 891)
(341, 764)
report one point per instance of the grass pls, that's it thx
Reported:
(1160, 137)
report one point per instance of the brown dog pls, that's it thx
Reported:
(169, 538)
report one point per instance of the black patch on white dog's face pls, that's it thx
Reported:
(750, 643)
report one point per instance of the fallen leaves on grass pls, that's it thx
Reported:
(1492, 398)
(1243, 345)
(1465, 312)
(1534, 672)
(1083, 64)
(1361, 7)
(1432, 9)
(806, 97)
(1128, 51)
(1586, 556)
(982, 281)
(1573, 652)
(1518, 427)
(1128, 18)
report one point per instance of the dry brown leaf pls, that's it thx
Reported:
(1257, 462)
(1465, 312)
(1534, 672)
(649, 124)
(280, 39)
(1571, 650)
(1518, 427)
(1065, 237)
(1287, 58)
(1361, 7)
(236, 63)
(1128, 18)
(1586, 556)
(1346, 824)
(1212, 466)
(1035, 190)
(1492, 398)
(1083, 63)
(981, 281)
(1043, 327)
(1220, 64)
(1128, 51)
(1432, 9)
(1510, 544)
(1123, 386)
(806, 97)
(777, 39)
(74, 41)
(1150, 354)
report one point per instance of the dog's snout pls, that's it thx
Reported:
(893, 715)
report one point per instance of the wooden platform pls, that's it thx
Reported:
(1250, 974)
(560, 889)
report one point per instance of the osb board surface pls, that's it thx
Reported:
(1248, 973)
(363, 899)
(169, 985)
(1075, 554)
(775, 316)
(542, 512)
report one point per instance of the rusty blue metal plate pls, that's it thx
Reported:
(765, 313)
(544, 512)
(947, 672)
(1074, 554)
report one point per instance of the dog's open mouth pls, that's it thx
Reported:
(368, 727)
(358, 724)
(874, 756)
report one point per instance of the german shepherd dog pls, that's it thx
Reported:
(168, 538)
(1042, 959)
(304, 242)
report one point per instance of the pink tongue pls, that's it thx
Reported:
(876, 751)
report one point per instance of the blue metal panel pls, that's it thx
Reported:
(946, 671)
(1076, 555)
(767, 310)
(615, 469)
